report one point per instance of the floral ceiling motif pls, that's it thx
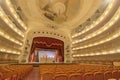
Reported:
(59, 10)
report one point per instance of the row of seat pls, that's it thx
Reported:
(77, 76)
(14, 72)
(79, 72)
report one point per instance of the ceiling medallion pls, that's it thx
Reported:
(55, 11)
(59, 8)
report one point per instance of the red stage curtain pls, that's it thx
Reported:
(46, 43)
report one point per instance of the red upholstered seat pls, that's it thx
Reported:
(86, 72)
(98, 76)
(88, 76)
(61, 77)
(14, 72)
(47, 76)
(75, 77)
(119, 73)
(107, 75)
(115, 74)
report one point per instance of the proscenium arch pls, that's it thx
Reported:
(46, 43)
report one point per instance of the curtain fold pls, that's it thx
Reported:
(46, 43)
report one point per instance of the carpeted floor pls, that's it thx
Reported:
(34, 75)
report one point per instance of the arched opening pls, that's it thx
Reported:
(46, 50)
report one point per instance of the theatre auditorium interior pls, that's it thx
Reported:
(59, 39)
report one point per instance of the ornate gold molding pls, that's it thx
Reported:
(40, 42)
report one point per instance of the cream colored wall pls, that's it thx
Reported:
(47, 32)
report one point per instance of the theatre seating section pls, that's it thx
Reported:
(62, 72)
(79, 72)
(14, 72)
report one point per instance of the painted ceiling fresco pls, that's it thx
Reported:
(59, 10)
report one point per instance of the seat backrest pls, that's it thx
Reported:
(47, 76)
(107, 75)
(119, 72)
(61, 77)
(98, 76)
(112, 79)
(88, 76)
(75, 77)
(115, 74)
(1, 74)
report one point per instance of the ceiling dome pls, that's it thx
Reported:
(66, 14)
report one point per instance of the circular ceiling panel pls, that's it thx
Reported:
(58, 10)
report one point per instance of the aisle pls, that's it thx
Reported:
(34, 75)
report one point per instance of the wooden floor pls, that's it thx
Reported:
(33, 75)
